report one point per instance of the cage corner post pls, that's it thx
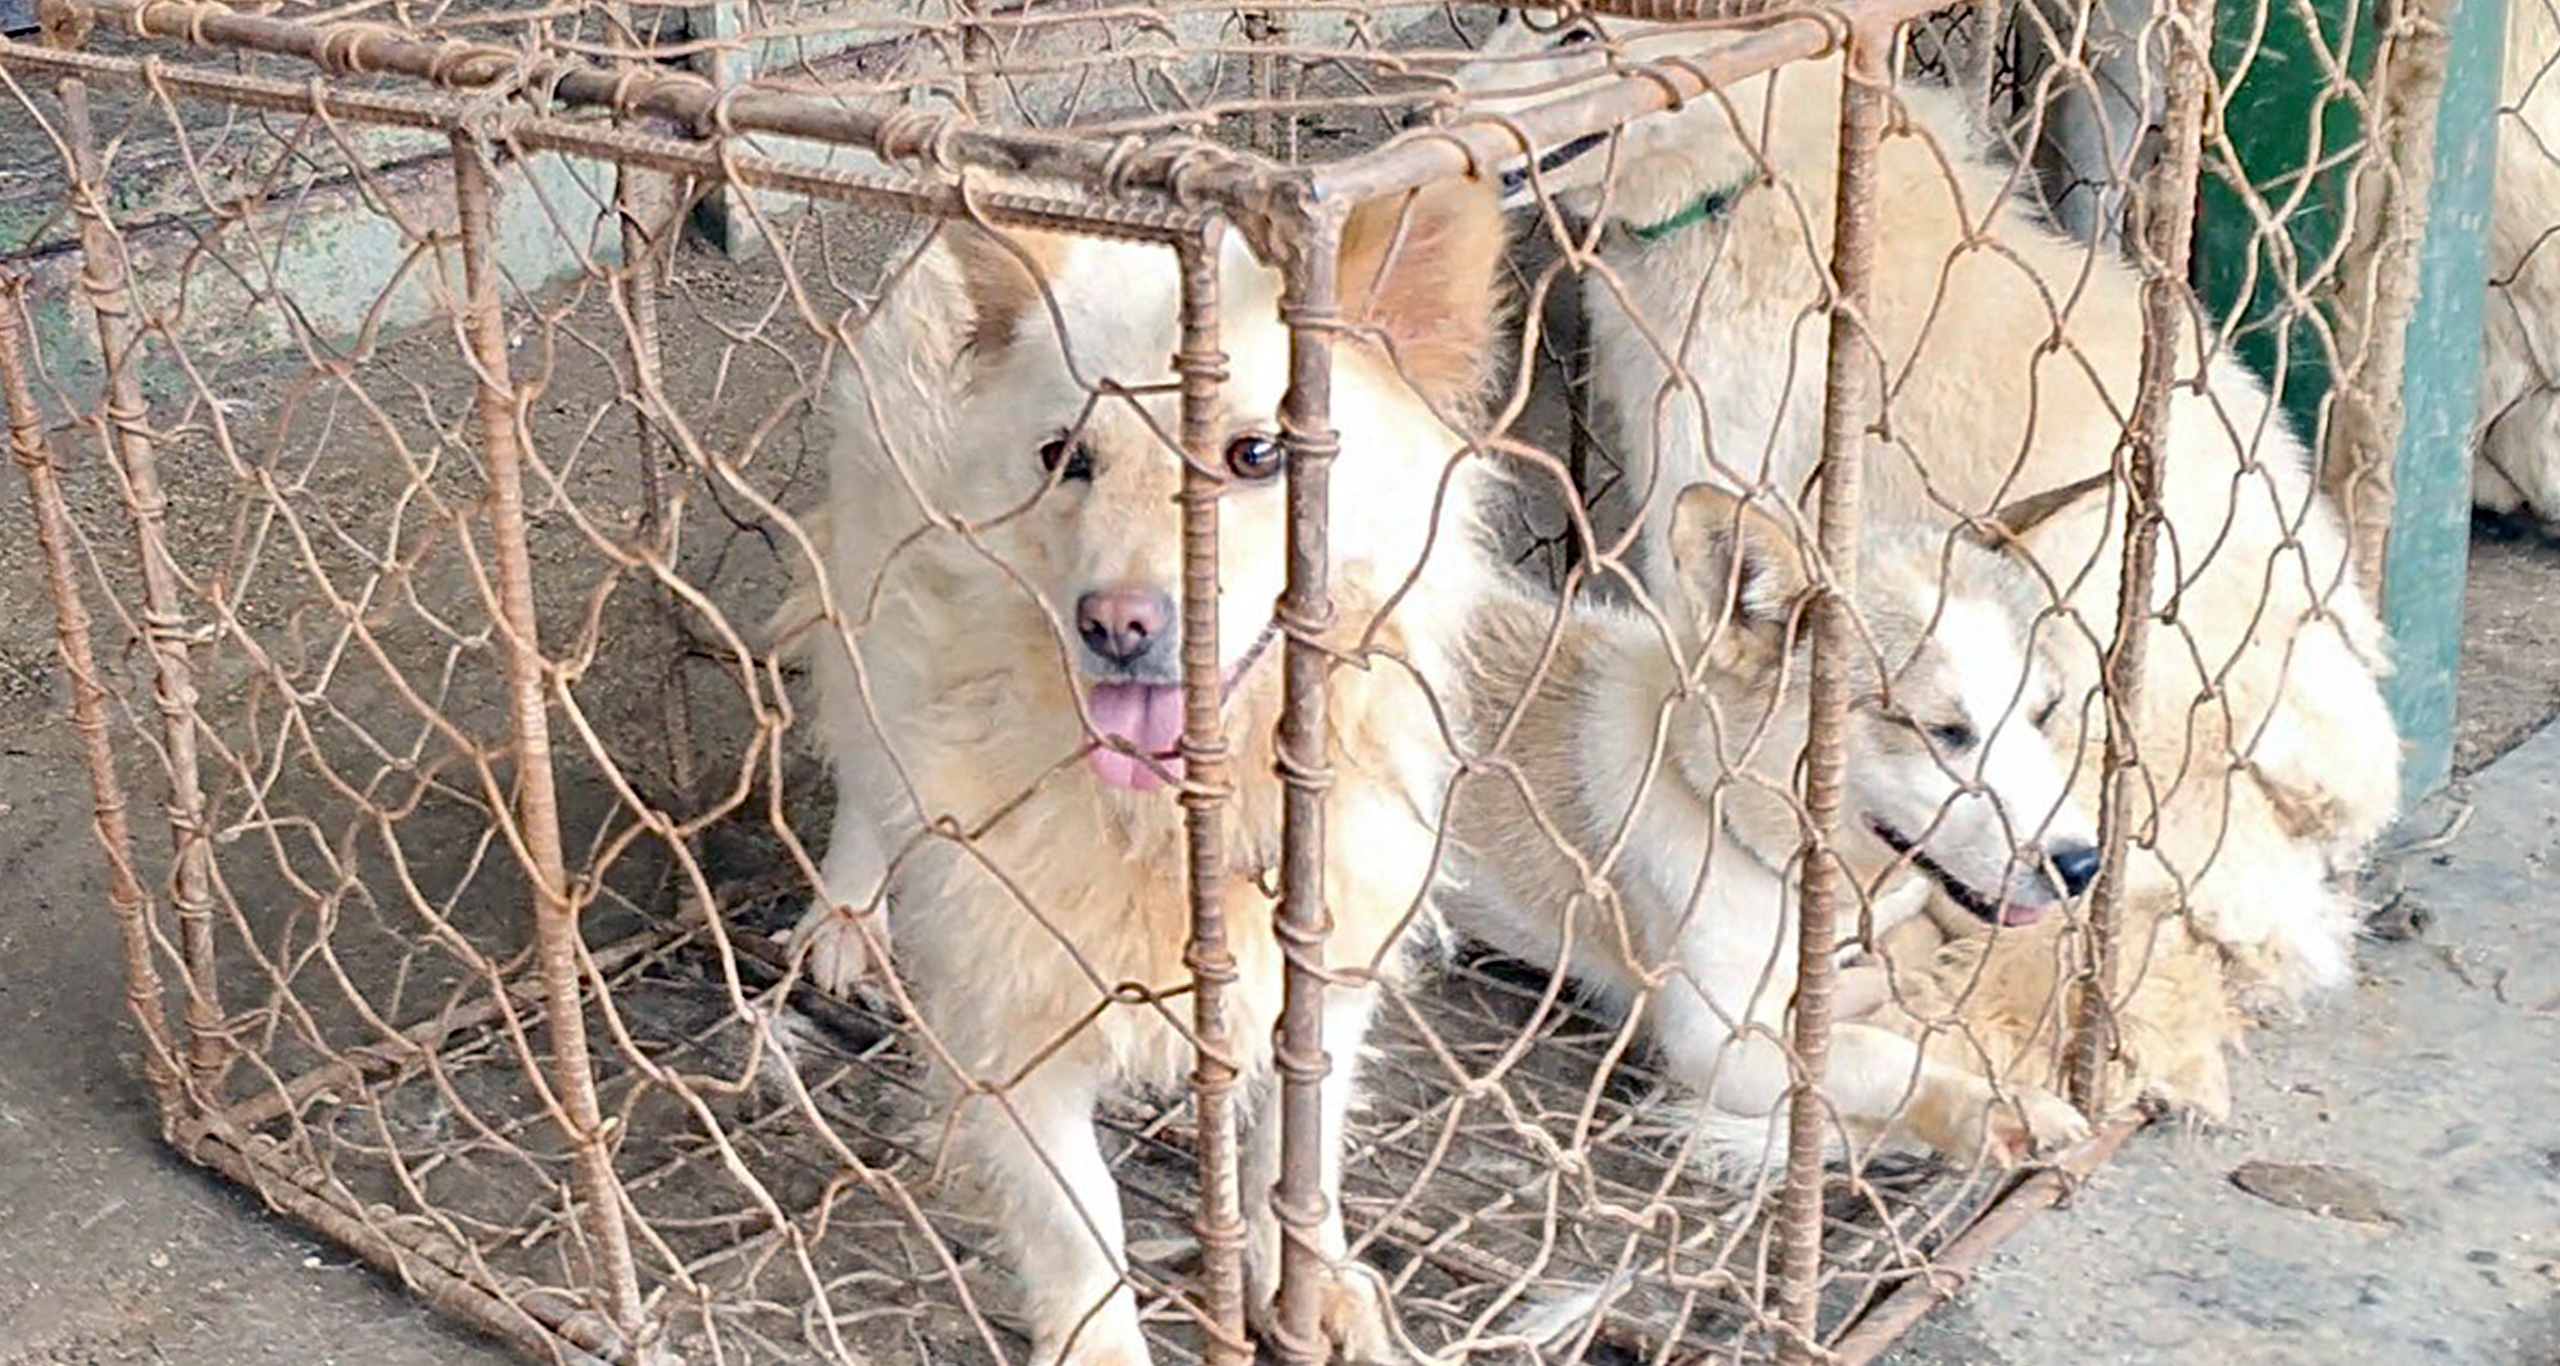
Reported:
(129, 441)
(535, 801)
(1310, 306)
(1207, 786)
(2428, 539)
(1852, 393)
(50, 512)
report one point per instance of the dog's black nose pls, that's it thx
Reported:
(1420, 116)
(2078, 865)
(1120, 625)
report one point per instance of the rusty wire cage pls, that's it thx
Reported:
(430, 528)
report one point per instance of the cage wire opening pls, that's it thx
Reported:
(1603, 683)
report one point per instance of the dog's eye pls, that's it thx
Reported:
(1255, 456)
(2044, 714)
(1060, 451)
(1576, 36)
(1953, 736)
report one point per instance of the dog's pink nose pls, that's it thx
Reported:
(1120, 625)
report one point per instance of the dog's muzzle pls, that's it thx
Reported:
(1988, 910)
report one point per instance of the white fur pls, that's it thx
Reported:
(2269, 754)
(1678, 801)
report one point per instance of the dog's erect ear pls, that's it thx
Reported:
(2005, 527)
(1001, 276)
(1424, 268)
(1728, 552)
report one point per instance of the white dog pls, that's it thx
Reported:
(1672, 787)
(2010, 358)
(997, 680)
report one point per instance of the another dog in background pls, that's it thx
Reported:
(2010, 358)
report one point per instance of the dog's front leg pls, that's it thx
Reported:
(832, 931)
(1880, 1080)
(1876, 1080)
(1355, 1309)
(1060, 1217)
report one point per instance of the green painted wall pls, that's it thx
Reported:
(2294, 133)
(2292, 130)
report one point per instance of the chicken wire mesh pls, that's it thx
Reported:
(1440, 683)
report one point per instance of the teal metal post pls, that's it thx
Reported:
(2431, 512)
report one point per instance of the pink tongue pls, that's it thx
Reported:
(2015, 914)
(1146, 715)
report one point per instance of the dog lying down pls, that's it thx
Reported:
(1673, 789)
(998, 652)
(2011, 356)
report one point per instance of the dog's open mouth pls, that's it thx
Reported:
(1147, 719)
(1975, 903)
(1517, 179)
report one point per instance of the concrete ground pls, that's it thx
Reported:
(2429, 1090)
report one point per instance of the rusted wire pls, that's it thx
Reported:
(2167, 238)
(124, 427)
(1136, 220)
(1206, 792)
(689, 100)
(1848, 412)
(555, 911)
(1310, 306)
(1954, 1266)
(671, 1138)
(162, 1066)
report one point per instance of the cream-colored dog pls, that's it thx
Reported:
(2009, 358)
(997, 680)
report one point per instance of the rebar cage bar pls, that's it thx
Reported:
(470, 943)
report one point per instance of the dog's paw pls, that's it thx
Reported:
(1354, 1315)
(831, 941)
(2033, 1123)
(1969, 1121)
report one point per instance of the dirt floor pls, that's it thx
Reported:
(116, 1252)
(2510, 645)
